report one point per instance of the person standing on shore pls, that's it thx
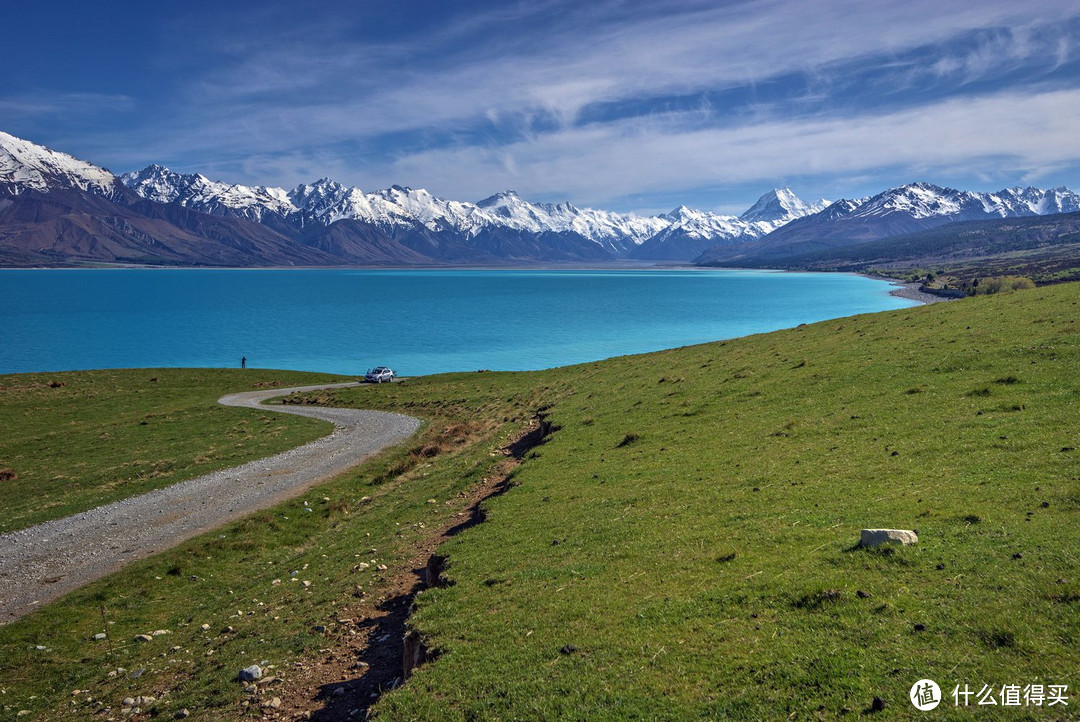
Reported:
(243, 362)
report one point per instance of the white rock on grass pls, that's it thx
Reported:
(880, 537)
(251, 674)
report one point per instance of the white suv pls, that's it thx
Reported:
(378, 375)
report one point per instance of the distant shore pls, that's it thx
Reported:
(911, 291)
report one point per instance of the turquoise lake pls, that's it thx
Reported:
(416, 321)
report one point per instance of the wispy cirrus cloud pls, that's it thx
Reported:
(44, 104)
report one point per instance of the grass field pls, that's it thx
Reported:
(76, 440)
(683, 545)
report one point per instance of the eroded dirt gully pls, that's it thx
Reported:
(381, 651)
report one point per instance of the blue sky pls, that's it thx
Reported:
(615, 104)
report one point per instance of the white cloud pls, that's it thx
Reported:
(1026, 134)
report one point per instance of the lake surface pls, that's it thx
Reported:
(416, 321)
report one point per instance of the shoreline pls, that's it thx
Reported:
(912, 292)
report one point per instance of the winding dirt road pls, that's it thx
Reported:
(44, 562)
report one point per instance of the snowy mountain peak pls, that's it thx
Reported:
(681, 213)
(303, 194)
(28, 166)
(157, 183)
(499, 199)
(780, 204)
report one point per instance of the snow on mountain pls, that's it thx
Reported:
(436, 214)
(692, 232)
(905, 209)
(199, 193)
(325, 202)
(28, 166)
(1034, 200)
(781, 205)
(709, 226)
(920, 200)
(615, 231)
(929, 201)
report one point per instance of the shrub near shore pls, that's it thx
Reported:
(682, 545)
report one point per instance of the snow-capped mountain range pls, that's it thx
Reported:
(904, 209)
(925, 200)
(157, 215)
(325, 202)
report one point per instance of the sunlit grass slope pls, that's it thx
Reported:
(683, 545)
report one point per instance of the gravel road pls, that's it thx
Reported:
(42, 563)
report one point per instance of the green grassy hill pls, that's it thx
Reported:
(682, 545)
